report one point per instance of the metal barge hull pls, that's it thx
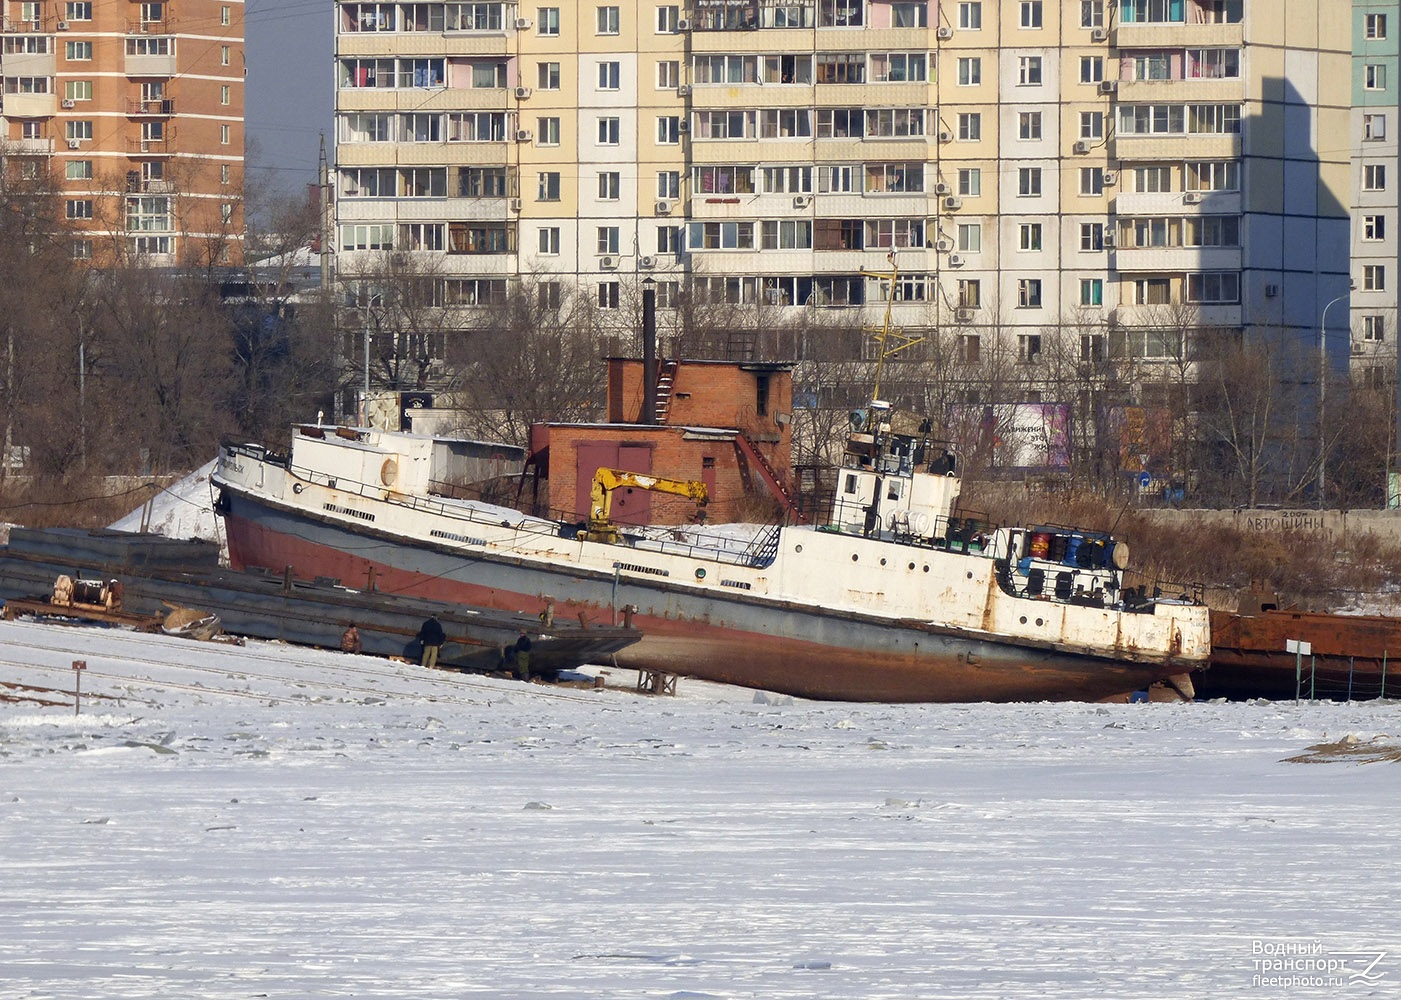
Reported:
(729, 637)
(157, 572)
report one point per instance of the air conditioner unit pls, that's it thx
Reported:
(945, 135)
(684, 90)
(944, 32)
(62, 25)
(73, 143)
(1358, 348)
(955, 260)
(942, 189)
(943, 246)
(1191, 197)
(683, 25)
(1107, 241)
(646, 263)
(1271, 291)
(1081, 146)
(515, 204)
(1108, 86)
(963, 314)
(682, 127)
(802, 200)
(1098, 34)
(1110, 178)
(522, 23)
(524, 135)
(608, 263)
(953, 203)
(68, 102)
(522, 93)
(663, 207)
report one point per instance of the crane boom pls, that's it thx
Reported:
(601, 527)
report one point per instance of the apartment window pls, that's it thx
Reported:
(78, 51)
(1373, 275)
(1152, 292)
(668, 184)
(909, 15)
(899, 67)
(1213, 176)
(669, 240)
(78, 170)
(77, 11)
(787, 180)
(81, 250)
(1375, 26)
(547, 75)
(472, 126)
(1091, 13)
(1029, 293)
(1213, 64)
(1374, 228)
(75, 90)
(970, 348)
(31, 130)
(223, 55)
(1091, 125)
(547, 21)
(1092, 347)
(1373, 127)
(1212, 231)
(78, 130)
(1091, 69)
(666, 20)
(1152, 179)
(549, 186)
(970, 16)
(608, 239)
(224, 15)
(1373, 327)
(1029, 182)
(1029, 236)
(610, 185)
(1091, 236)
(1031, 13)
(1092, 181)
(609, 75)
(608, 294)
(547, 130)
(78, 208)
(970, 71)
(1028, 348)
(668, 74)
(1029, 71)
(1374, 76)
(969, 293)
(970, 126)
(970, 182)
(549, 294)
(609, 131)
(224, 135)
(224, 173)
(372, 237)
(970, 237)
(786, 235)
(1092, 291)
(1374, 177)
(668, 130)
(1214, 287)
(422, 236)
(608, 21)
(549, 240)
(1029, 125)
(224, 94)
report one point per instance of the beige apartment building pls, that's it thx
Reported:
(1115, 172)
(135, 113)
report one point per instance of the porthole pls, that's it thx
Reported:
(1023, 619)
(854, 557)
(926, 568)
(970, 576)
(297, 488)
(882, 562)
(912, 566)
(797, 548)
(700, 573)
(1039, 623)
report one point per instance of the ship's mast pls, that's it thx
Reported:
(889, 341)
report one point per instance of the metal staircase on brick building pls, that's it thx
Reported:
(666, 382)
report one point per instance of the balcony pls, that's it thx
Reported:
(161, 108)
(160, 27)
(150, 147)
(30, 105)
(143, 64)
(27, 147)
(1176, 34)
(11, 26)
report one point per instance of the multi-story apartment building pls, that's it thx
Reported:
(134, 112)
(1375, 26)
(1121, 171)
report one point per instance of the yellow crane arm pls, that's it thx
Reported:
(605, 481)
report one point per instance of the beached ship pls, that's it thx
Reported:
(896, 596)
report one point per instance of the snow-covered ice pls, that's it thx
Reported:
(280, 822)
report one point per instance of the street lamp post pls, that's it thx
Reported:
(1322, 390)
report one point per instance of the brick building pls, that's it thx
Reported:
(725, 424)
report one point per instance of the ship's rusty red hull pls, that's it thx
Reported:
(1350, 656)
(773, 646)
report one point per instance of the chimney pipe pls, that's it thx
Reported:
(649, 352)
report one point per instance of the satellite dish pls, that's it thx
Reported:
(858, 420)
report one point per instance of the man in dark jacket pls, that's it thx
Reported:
(522, 656)
(432, 636)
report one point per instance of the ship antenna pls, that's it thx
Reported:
(889, 341)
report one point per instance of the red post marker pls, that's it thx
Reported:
(78, 667)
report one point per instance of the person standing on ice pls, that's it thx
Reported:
(432, 636)
(522, 656)
(350, 639)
